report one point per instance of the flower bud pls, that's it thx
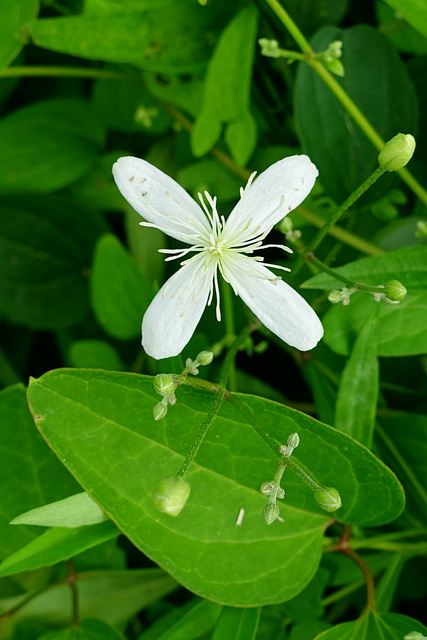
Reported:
(397, 152)
(164, 384)
(293, 440)
(171, 495)
(415, 635)
(267, 488)
(328, 498)
(280, 493)
(394, 291)
(160, 410)
(271, 512)
(204, 358)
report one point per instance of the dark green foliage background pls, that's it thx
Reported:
(183, 84)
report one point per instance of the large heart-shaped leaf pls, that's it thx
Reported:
(100, 425)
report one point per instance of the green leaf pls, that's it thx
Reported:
(376, 80)
(120, 294)
(250, 564)
(399, 31)
(48, 145)
(46, 244)
(94, 354)
(358, 391)
(388, 626)
(307, 605)
(75, 511)
(408, 265)
(198, 621)
(414, 12)
(401, 328)
(227, 91)
(56, 545)
(129, 108)
(14, 15)
(41, 478)
(237, 624)
(310, 15)
(90, 629)
(180, 44)
(403, 443)
(112, 596)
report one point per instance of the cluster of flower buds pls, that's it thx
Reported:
(327, 498)
(166, 384)
(341, 295)
(392, 292)
(286, 226)
(330, 58)
(273, 489)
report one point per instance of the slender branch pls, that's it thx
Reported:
(219, 397)
(336, 215)
(343, 546)
(71, 581)
(64, 72)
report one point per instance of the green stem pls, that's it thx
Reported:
(290, 25)
(340, 94)
(336, 215)
(367, 574)
(63, 72)
(342, 234)
(310, 257)
(219, 397)
(230, 329)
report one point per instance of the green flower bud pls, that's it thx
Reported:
(271, 512)
(293, 440)
(204, 358)
(397, 152)
(328, 498)
(160, 410)
(164, 384)
(415, 635)
(171, 495)
(280, 493)
(267, 488)
(335, 296)
(394, 291)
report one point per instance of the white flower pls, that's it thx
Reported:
(220, 245)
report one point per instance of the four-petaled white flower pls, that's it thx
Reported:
(220, 245)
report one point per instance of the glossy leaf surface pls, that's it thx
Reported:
(79, 410)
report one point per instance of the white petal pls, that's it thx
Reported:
(276, 192)
(159, 199)
(173, 315)
(279, 307)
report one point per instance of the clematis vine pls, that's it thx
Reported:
(219, 245)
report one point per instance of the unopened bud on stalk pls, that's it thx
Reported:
(394, 291)
(397, 152)
(164, 384)
(328, 498)
(271, 512)
(160, 410)
(204, 358)
(171, 495)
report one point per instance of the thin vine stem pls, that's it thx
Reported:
(220, 393)
(336, 215)
(64, 72)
